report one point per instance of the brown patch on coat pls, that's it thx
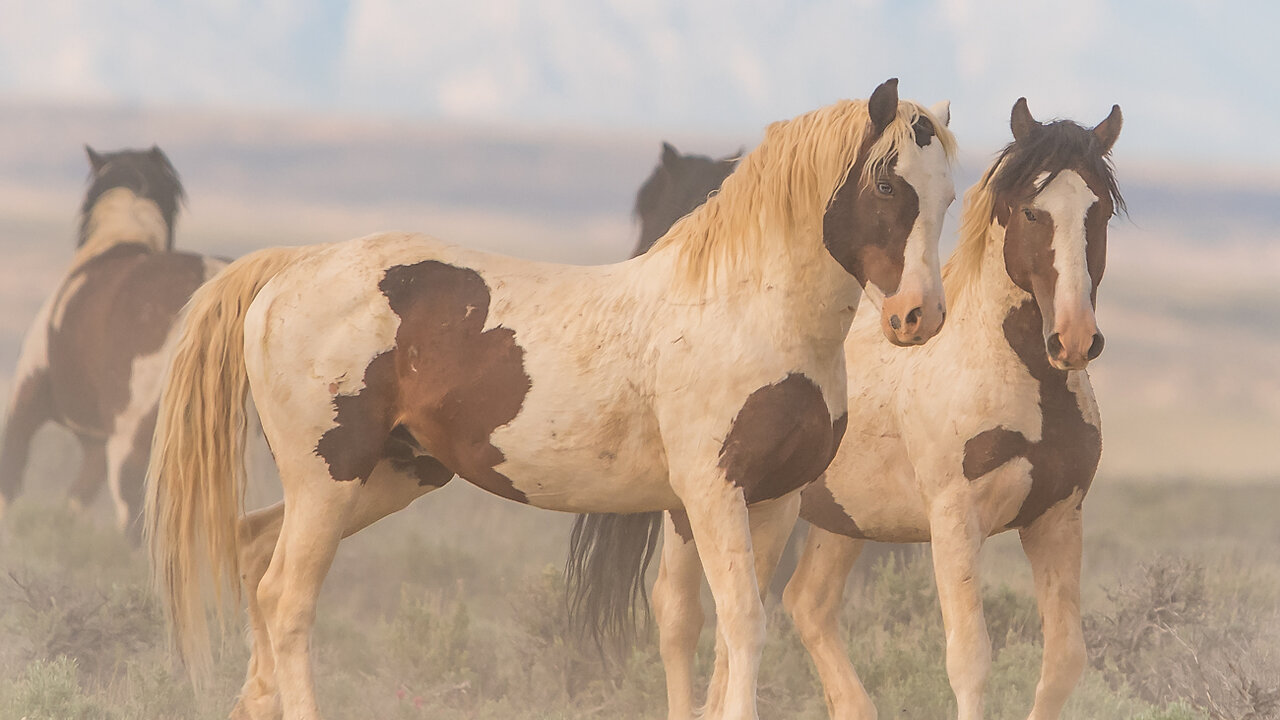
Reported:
(819, 507)
(781, 440)
(1066, 457)
(446, 386)
(408, 457)
(866, 230)
(990, 449)
(680, 523)
(126, 303)
(363, 423)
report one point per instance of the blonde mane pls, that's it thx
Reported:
(782, 189)
(965, 264)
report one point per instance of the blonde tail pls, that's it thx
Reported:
(195, 482)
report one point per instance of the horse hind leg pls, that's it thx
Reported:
(316, 508)
(677, 607)
(1053, 545)
(29, 408)
(391, 487)
(813, 598)
(93, 473)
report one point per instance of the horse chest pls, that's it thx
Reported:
(782, 438)
(1065, 456)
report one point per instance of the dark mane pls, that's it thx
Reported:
(148, 173)
(1052, 147)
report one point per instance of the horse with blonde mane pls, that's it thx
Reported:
(706, 375)
(991, 427)
(93, 360)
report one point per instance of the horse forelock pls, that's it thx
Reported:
(148, 174)
(1051, 149)
(782, 188)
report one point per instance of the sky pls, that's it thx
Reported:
(1196, 79)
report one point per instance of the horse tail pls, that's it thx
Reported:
(195, 480)
(604, 576)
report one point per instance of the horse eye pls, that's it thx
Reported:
(1030, 216)
(884, 188)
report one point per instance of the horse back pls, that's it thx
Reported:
(111, 311)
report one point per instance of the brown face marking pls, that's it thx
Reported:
(1066, 457)
(127, 300)
(781, 439)
(866, 230)
(680, 523)
(449, 382)
(1028, 250)
(819, 507)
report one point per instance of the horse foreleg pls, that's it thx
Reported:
(678, 609)
(1053, 545)
(29, 408)
(771, 524)
(722, 531)
(813, 598)
(956, 537)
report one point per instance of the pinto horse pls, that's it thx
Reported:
(706, 374)
(991, 427)
(93, 360)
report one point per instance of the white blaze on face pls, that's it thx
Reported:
(928, 172)
(1067, 200)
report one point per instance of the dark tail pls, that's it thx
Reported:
(604, 577)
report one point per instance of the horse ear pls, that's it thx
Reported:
(1108, 130)
(942, 111)
(669, 154)
(883, 105)
(1021, 122)
(96, 161)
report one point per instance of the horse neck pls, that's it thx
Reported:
(120, 217)
(793, 283)
(986, 306)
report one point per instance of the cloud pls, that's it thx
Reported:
(716, 65)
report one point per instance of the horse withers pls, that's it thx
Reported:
(707, 374)
(93, 360)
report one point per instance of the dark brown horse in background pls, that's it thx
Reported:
(94, 358)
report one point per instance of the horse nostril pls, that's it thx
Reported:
(1053, 345)
(1096, 348)
(895, 322)
(913, 317)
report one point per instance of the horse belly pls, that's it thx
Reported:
(597, 458)
(869, 492)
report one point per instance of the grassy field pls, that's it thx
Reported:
(454, 609)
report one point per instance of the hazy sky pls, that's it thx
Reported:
(1197, 79)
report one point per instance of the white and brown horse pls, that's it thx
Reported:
(93, 360)
(991, 427)
(705, 375)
